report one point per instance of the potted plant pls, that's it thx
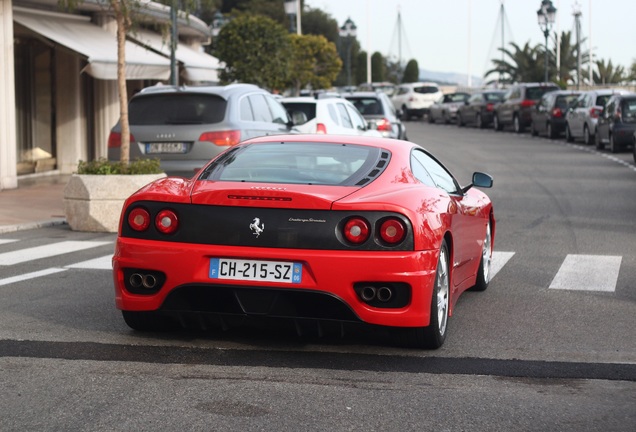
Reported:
(95, 195)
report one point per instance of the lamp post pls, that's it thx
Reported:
(545, 16)
(292, 9)
(348, 31)
(218, 21)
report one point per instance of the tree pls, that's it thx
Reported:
(255, 49)
(378, 67)
(411, 72)
(314, 62)
(523, 64)
(608, 73)
(361, 67)
(568, 71)
(317, 22)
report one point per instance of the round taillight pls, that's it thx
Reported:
(392, 231)
(166, 222)
(356, 230)
(139, 219)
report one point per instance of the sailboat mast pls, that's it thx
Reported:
(399, 25)
(501, 17)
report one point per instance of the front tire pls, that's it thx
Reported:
(483, 273)
(550, 131)
(516, 122)
(434, 335)
(479, 121)
(599, 144)
(614, 147)
(588, 138)
(568, 133)
(495, 123)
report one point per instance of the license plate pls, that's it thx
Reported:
(255, 270)
(153, 148)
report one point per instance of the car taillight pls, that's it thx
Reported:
(139, 219)
(166, 222)
(490, 107)
(114, 139)
(222, 138)
(356, 230)
(527, 103)
(556, 112)
(383, 125)
(392, 231)
(321, 128)
(594, 112)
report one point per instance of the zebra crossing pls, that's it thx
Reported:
(577, 272)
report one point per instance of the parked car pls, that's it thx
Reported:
(548, 115)
(415, 99)
(186, 126)
(329, 115)
(317, 229)
(478, 110)
(384, 87)
(445, 108)
(516, 107)
(617, 123)
(582, 116)
(379, 113)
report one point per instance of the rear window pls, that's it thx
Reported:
(306, 107)
(177, 109)
(565, 101)
(628, 108)
(367, 106)
(602, 100)
(494, 97)
(535, 93)
(297, 163)
(425, 89)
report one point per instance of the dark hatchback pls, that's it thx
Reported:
(479, 109)
(617, 123)
(548, 116)
(518, 103)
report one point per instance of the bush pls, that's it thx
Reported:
(105, 167)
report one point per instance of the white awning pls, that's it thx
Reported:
(97, 45)
(198, 66)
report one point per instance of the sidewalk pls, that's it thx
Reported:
(37, 202)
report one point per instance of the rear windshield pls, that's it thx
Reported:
(425, 89)
(367, 106)
(565, 101)
(494, 97)
(177, 109)
(296, 163)
(628, 108)
(535, 93)
(602, 100)
(308, 108)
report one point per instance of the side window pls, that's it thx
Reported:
(516, 93)
(261, 109)
(438, 173)
(246, 110)
(420, 172)
(279, 112)
(356, 118)
(475, 98)
(344, 117)
(333, 114)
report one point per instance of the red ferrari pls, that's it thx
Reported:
(313, 228)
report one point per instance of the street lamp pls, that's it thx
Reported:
(546, 15)
(348, 31)
(292, 9)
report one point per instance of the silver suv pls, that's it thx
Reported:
(184, 127)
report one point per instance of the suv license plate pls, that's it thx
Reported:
(154, 148)
(255, 270)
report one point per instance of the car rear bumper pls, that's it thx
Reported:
(328, 282)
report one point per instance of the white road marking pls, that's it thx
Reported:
(588, 273)
(499, 260)
(5, 241)
(102, 263)
(38, 252)
(33, 275)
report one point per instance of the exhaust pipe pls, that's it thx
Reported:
(368, 293)
(384, 294)
(149, 281)
(136, 280)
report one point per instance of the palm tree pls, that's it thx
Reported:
(608, 73)
(523, 64)
(568, 70)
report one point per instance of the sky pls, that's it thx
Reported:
(436, 32)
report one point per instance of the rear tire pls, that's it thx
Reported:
(599, 144)
(588, 138)
(614, 147)
(568, 133)
(495, 123)
(533, 130)
(479, 121)
(434, 335)
(460, 121)
(550, 131)
(516, 122)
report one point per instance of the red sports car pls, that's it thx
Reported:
(312, 228)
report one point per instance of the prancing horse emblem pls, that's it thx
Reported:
(257, 227)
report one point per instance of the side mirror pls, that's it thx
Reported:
(481, 180)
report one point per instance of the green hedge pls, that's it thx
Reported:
(106, 167)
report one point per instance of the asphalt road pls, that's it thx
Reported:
(549, 346)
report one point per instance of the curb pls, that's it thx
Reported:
(32, 225)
